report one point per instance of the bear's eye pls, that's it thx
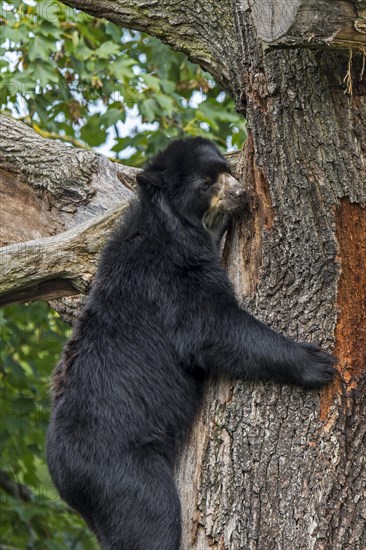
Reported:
(207, 182)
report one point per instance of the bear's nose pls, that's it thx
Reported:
(236, 192)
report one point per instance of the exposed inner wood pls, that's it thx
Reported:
(47, 187)
(310, 22)
(351, 298)
(350, 332)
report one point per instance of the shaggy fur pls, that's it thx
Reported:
(161, 315)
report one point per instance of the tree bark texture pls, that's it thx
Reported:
(51, 187)
(62, 265)
(268, 467)
(274, 467)
(47, 187)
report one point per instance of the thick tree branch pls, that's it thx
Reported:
(51, 186)
(57, 266)
(207, 31)
(264, 469)
(310, 22)
(203, 29)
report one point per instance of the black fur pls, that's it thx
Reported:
(161, 315)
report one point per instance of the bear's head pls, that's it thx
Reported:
(193, 177)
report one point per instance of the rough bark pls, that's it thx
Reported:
(203, 29)
(57, 266)
(47, 187)
(52, 187)
(270, 467)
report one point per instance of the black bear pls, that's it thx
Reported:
(160, 317)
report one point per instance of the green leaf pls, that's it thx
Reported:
(93, 132)
(106, 50)
(122, 67)
(48, 10)
(111, 117)
(44, 73)
(148, 109)
(38, 49)
(166, 103)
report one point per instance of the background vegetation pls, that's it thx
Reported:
(94, 85)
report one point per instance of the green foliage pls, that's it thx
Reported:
(88, 81)
(32, 337)
(91, 83)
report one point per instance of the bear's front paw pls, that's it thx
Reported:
(317, 367)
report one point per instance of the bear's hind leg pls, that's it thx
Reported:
(141, 508)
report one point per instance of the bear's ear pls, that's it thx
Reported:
(151, 178)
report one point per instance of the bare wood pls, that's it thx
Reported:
(310, 22)
(50, 186)
(57, 266)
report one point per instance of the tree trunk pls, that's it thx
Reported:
(270, 467)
